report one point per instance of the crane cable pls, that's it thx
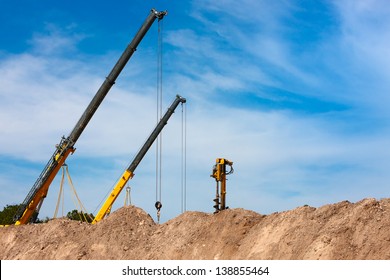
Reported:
(83, 214)
(159, 97)
(60, 195)
(183, 158)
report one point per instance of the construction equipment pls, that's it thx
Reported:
(29, 208)
(128, 196)
(81, 210)
(219, 174)
(129, 172)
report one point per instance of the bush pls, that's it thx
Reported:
(7, 215)
(80, 216)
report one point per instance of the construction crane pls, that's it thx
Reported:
(29, 209)
(129, 172)
(219, 174)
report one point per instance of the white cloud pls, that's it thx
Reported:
(38, 102)
(364, 41)
(56, 41)
(256, 31)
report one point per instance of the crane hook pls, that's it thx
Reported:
(158, 206)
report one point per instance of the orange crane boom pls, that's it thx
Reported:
(29, 209)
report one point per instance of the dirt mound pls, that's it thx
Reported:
(196, 235)
(339, 231)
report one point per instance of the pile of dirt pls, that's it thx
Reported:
(339, 231)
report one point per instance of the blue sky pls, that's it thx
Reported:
(295, 93)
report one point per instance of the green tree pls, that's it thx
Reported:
(80, 216)
(7, 215)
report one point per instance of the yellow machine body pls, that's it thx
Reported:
(106, 208)
(219, 174)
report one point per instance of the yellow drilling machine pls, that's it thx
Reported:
(219, 174)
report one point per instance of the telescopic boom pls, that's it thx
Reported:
(29, 209)
(129, 172)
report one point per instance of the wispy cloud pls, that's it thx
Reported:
(364, 33)
(55, 41)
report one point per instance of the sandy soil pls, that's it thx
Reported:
(338, 231)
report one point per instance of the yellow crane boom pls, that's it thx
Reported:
(129, 172)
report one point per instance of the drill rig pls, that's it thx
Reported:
(219, 174)
(29, 209)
